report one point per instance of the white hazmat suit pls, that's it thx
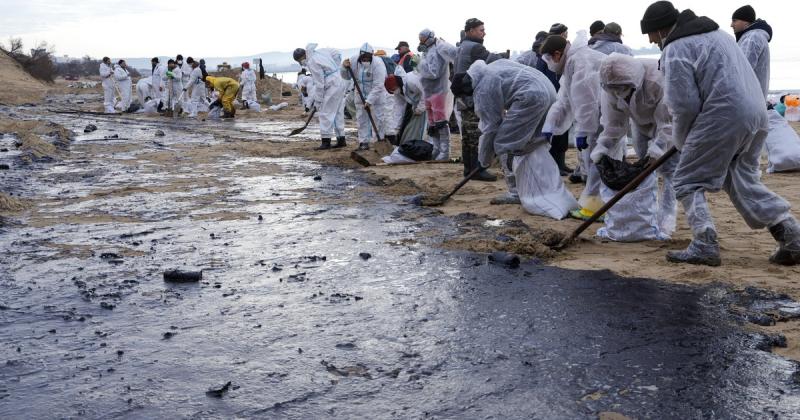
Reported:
(511, 101)
(578, 104)
(248, 82)
(107, 77)
(434, 72)
(409, 108)
(633, 94)
(719, 122)
(199, 94)
(144, 89)
(123, 80)
(370, 77)
(329, 89)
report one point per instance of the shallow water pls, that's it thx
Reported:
(304, 327)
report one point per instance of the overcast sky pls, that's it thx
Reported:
(144, 28)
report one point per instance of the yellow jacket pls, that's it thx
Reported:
(221, 84)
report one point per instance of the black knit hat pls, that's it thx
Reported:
(558, 29)
(298, 54)
(659, 15)
(745, 13)
(596, 27)
(553, 43)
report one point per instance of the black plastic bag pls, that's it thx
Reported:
(418, 150)
(616, 174)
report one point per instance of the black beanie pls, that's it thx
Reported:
(659, 15)
(553, 43)
(745, 13)
(558, 29)
(596, 27)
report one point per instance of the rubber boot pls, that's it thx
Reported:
(787, 233)
(325, 145)
(444, 144)
(703, 250)
(469, 155)
(393, 139)
(340, 142)
(363, 146)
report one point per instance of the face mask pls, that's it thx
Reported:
(422, 48)
(556, 68)
(180, 63)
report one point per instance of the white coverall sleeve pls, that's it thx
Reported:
(318, 76)
(663, 139)
(120, 74)
(615, 122)
(489, 107)
(378, 77)
(682, 95)
(105, 71)
(584, 93)
(753, 47)
(559, 117)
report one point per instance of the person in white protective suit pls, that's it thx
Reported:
(329, 89)
(578, 105)
(305, 84)
(109, 91)
(158, 70)
(172, 80)
(370, 74)
(123, 79)
(610, 41)
(198, 101)
(633, 94)
(753, 36)
(144, 89)
(247, 80)
(434, 73)
(408, 111)
(186, 70)
(719, 122)
(511, 101)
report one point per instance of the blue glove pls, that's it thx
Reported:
(547, 135)
(582, 143)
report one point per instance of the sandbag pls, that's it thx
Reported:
(418, 150)
(541, 189)
(636, 216)
(783, 145)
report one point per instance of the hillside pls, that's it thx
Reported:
(18, 86)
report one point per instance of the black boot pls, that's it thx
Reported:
(340, 142)
(363, 146)
(325, 145)
(787, 233)
(393, 139)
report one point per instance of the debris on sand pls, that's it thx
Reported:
(90, 128)
(347, 371)
(11, 204)
(365, 255)
(177, 276)
(504, 258)
(220, 391)
(160, 133)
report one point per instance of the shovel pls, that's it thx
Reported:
(628, 188)
(382, 146)
(428, 202)
(299, 130)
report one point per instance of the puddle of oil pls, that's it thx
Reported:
(303, 326)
